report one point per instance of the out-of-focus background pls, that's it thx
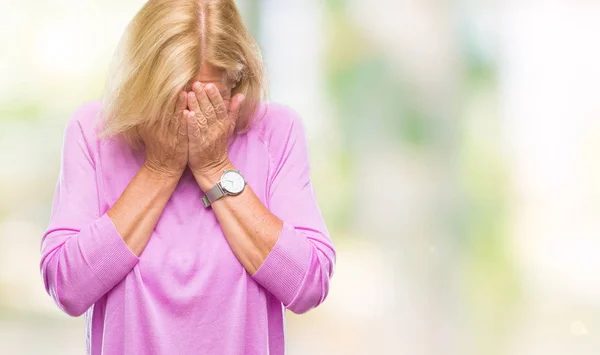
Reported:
(455, 148)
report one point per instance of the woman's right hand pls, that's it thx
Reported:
(167, 149)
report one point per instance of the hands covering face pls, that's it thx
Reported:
(197, 136)
(210, 124)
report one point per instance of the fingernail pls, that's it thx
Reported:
(210, 87)
(196, 86)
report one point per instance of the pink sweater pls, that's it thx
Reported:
(187, 293)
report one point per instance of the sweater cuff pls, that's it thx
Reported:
(106, 253)
(284, 268)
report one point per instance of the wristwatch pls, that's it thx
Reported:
(231, 183)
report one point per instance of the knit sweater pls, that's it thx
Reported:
(187, 293)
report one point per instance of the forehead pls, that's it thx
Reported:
(208, 74)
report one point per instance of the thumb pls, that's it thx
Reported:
(234, 107)
(193, 126)
(182, 128)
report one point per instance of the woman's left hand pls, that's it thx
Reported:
(210, 125)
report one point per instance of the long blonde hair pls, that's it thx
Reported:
(162, 51)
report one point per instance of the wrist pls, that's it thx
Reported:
(208, 178)
(161, 174)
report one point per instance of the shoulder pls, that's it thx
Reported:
(279, 126)
(86, 116)
(82, 126)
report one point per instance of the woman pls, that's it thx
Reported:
(184, 220)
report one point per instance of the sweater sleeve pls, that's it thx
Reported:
(83, 254)
(298, 269)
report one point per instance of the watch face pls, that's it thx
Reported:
(232, 182)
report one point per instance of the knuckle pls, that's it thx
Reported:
(196, 133)
(209, 110)
(201, 123)
(221, 110)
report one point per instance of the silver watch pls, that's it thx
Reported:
(231, 183)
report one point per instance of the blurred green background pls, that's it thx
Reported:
(454, 147)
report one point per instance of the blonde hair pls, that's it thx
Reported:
(163, 49)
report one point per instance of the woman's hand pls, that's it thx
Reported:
(167, 149)
(210, 125)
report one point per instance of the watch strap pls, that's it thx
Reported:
(213, 194)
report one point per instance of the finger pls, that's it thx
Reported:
(182, 134)
(181, 103)
(235, 106)
(217, 101)
(197, 89)
(206, 106)
(182, 129)
(193, 104)
(193, 126)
